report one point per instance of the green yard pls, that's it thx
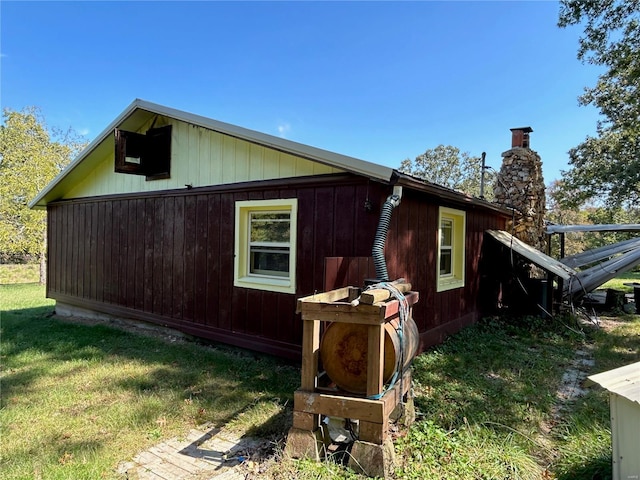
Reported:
(619, 282)
(78, 399)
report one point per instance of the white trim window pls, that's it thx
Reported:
(451, 249)
(446, 247)
(265, 241)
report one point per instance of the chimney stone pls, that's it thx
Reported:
(520, 184)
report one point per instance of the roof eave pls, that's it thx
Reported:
(460, 198)
(350, 164)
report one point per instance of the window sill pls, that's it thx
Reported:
(268, 284)
(449, 284)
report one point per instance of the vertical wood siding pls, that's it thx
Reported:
(413, 236)
(411, 252)
(169, 259)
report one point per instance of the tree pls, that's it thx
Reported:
(599, 215)
(447, 166)
(559, 214)
(30, 157)
(577, 242)
(607, 166)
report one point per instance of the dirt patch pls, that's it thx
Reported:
(573, 378)
(610, 323)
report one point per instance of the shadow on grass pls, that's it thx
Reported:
(594, 469)
(211, 385)
(506, 372)
(617, 348)
(276, 426)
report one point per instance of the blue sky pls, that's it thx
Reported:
(380, 81)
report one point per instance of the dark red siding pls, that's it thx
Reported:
(438, 314)
(410, 252)
(168, 257)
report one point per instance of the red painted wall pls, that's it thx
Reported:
(167, 257)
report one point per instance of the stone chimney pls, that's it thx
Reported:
(520, 185)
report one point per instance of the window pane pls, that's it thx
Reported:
(446, 232)
(445, 262)
(269, 261)
(270, 227)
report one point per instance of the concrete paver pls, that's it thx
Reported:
(200, 455)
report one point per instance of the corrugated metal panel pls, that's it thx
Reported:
(623, 227)
(591, 278)
(540, 259)
(596, 254)
(623, 381)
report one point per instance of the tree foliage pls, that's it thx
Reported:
(607, 166)
(447, 166)
(617, 215)
(30, 157)
(577, 242)
(559, 214)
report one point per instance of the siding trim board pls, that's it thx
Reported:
(254, 186)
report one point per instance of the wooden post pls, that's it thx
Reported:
(375, 360)
(310, 350)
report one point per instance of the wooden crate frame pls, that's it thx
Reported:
(373, 414)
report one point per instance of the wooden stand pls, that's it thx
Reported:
(372, 453)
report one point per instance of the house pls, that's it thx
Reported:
(216, 230)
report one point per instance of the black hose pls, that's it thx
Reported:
(377, 252)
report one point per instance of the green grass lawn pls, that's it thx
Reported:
(78, 399)
(618, 282)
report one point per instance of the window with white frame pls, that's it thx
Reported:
(451, 248)
(265, 242)
(446, 247)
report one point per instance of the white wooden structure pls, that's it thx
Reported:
(623, 385)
